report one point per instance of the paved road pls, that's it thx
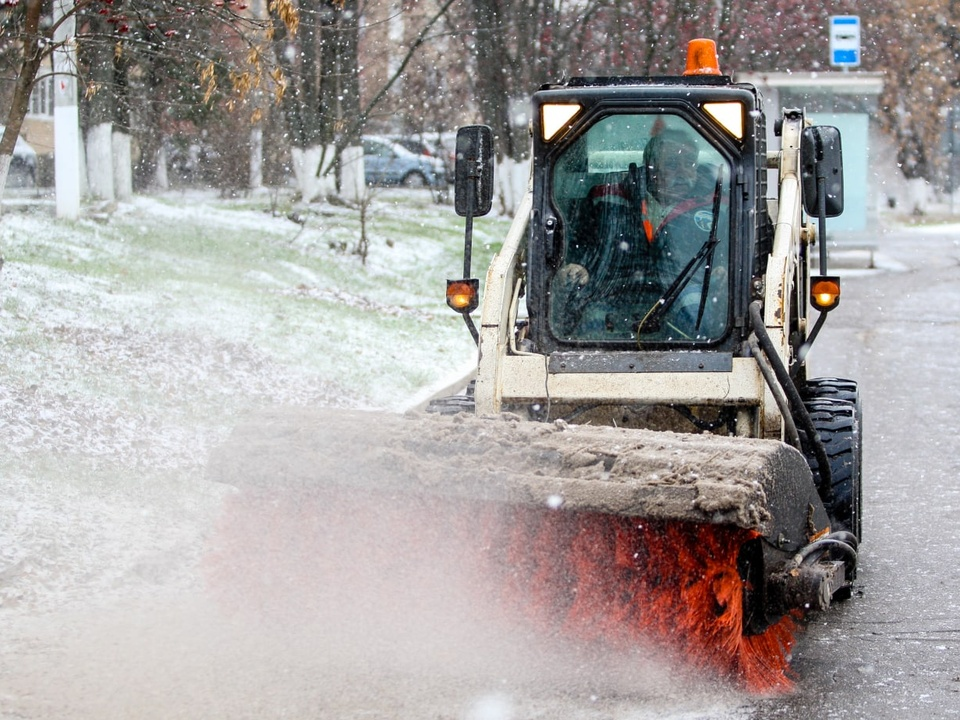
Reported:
(894, 650)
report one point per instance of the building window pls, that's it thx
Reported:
(41, 99)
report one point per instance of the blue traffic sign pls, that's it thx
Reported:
(845, 40)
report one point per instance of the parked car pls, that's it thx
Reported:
(387, 162)
(23, 165)
(429, 145)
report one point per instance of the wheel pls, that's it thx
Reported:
(830, 388)
(834, 407)
(414, 180)
(451, 405)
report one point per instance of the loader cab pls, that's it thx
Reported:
(643, 230)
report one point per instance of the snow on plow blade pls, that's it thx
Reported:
(746, 483)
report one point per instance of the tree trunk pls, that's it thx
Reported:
(151, 168)
(33, 54)
(122, 165)
(493, 91)
(328, 73)
(353, 186)
(99, 109)
(339, 90)
(305, 163)
(99, 148)
(161, 178)
(300, 99)
(122, 160)
(291, 102)
(256, 158)
(349, 68)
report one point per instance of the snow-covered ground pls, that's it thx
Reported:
(133, 339)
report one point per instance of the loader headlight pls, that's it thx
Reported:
(554, 117)
(729, 115)
(463, 295)
(825, 292)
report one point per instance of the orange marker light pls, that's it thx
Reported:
(825, 292)
(702, 58)
(462, 295)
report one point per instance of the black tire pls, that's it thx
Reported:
(452, 405)
(414, 180)
(831, 388)
(834, 407)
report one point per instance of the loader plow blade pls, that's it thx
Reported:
(620, 537)
(636, 473)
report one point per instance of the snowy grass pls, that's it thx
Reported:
(229, 273)
(133, 339)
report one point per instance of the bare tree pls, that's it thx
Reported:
(193, 55)
(321, 98)
(35, 45)
(193, 66)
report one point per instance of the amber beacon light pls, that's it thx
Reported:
(702, 58)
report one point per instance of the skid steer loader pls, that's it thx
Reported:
(641, 414)
(649, 282)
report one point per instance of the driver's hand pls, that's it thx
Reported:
(572, 276)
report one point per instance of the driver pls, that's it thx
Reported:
(678, 215)
(670, 160)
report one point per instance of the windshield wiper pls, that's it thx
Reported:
(712, 242)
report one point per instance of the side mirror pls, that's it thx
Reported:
(473, 176)
(821, 159)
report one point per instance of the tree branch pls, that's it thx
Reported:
(357, 125)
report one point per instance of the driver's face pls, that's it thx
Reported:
(675, 172)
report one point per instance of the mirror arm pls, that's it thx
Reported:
(473, 178)
(468, 230)
(472, 327)
(822, 217)
(808, 343)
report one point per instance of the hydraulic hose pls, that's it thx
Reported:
(799, 414)
(803, 582)
(790, 427)
(813, 552)
(845, 536)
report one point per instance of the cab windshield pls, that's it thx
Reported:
(644, 203)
